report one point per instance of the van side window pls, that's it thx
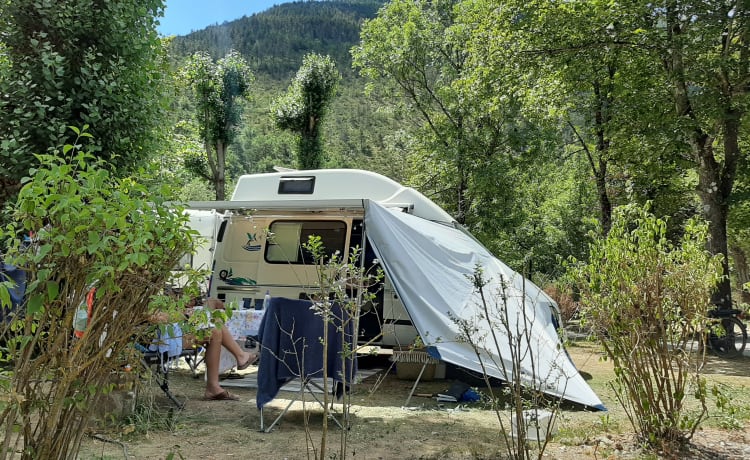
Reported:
(288, 237)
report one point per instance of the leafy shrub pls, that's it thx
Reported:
(89, 229)
(646, 300)
(565, 301)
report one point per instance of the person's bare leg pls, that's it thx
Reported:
(213, 355)
(230, 344)
(221, 337)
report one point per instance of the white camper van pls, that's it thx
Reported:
(429, 260)
(291, 206)
(206, 223)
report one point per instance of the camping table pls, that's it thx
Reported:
(244, 322)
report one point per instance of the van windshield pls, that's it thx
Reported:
(286, 245)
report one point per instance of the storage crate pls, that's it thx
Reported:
(409, 364)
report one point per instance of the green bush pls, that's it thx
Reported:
(646, 299)
(89, 229)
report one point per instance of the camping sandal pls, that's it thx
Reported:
(223, 396)
(250, 361)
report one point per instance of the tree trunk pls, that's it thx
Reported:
(462, 170)
(715, 177)
(601, 120)
(715, 210)
(8, 190)
(220, 174)
(461, 196)
(605, 206)
(742, 271)
(715, 184)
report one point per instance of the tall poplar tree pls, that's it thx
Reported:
(218, 88)
(302, 109)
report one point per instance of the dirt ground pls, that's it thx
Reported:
(381, 428)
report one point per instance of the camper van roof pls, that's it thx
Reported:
(331, 187)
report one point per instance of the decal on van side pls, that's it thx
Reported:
(251, 244)
(228, 278)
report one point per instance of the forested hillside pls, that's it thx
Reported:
(357, 131)
(529, 123)
(275, 40)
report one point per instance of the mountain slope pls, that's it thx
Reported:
(355, 132)
(275, 40)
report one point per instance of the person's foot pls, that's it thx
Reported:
(252, 358)
(223, 395)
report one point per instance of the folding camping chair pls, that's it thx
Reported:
(308, 386)
(163, 353)
(291, 349)
(416, 357)
(159, 362)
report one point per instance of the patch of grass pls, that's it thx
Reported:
(729, 404)
(576, 435)
(149, 416)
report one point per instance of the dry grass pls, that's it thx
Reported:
(381, 429)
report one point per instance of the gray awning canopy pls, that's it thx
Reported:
(432, 268)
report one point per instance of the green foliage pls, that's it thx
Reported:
(76, 63)
(169, 167)
(359, 131)
(357, 134)
(412, 53)
(739, 235)
(645, 89)
(646, 299)
(499, 98)
(274, 44)
(729, 411)
(276, 40)
(218, 87)
(548, 217)
(302, 109)
(89, 229)
(467, 143)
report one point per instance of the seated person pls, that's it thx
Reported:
(213, 339)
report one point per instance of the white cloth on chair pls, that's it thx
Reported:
(169, 340)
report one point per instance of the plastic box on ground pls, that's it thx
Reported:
(539, 424)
